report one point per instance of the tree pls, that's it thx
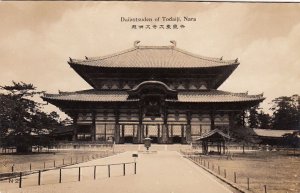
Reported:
(253, 117)
(264, 120)
(286, 112)
(22, 122)
(292, 139)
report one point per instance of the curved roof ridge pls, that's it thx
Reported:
(92, 59)
(214, 59)
(152, 82)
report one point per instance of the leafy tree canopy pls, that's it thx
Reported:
(286, 112)
(22, 121)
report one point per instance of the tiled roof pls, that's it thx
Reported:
(216, 96)
(272, 133)
(213, 132)
(89, 96)
(186, 96)
(154, 57)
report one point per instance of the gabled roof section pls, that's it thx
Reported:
(154, 57)
(152, 87)
(213, 134)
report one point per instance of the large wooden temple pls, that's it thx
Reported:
(161, 92)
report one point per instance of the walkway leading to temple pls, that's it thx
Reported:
(161, 172)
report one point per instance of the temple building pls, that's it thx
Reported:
(161, 92)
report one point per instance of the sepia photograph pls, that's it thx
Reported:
(149, 97)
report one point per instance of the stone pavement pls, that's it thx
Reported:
(162, 171)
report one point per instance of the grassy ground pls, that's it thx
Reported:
(279, 171)
(48, 159)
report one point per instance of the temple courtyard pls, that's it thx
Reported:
(162, 170)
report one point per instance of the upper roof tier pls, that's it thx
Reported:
(160, 63)
(154, 57)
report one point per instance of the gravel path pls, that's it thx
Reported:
(161, 171)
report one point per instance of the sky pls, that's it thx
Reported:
(37, 39)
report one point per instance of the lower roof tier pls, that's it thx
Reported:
(211, 96)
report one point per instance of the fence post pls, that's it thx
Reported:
(53, 163)
(71, 160)
(59, 175)
(124, 169)
(94, 172)
(234, 177)
(208, 164)
(12, 168)
(78, 173)
(224, 173)
(134, 167)
(219, 170)
(248, 184)
(39, 178)
(44, 165)
(265, 187)
(20, 180)
(108, 171)
(63, 161)
(30, 166)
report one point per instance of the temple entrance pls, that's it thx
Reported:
(152, 131)
(128, 133)
(176, 134)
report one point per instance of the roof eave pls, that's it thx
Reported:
(74, 66)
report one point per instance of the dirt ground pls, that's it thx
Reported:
(160, 171)
(47, 159)
(280, 172)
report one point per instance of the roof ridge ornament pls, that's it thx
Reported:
(236, 60)
(174, 43)
(136, 43)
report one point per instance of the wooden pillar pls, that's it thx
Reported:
(200, 129)
(140, 125)
(182, 134)
(123, 131)
(212, 120)
(117, 127)
(188, 127)
(158, 133)
(93, 128)
(147, 131)
(133, 130)
(75, 118)
(165, 128)
(105, 132)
